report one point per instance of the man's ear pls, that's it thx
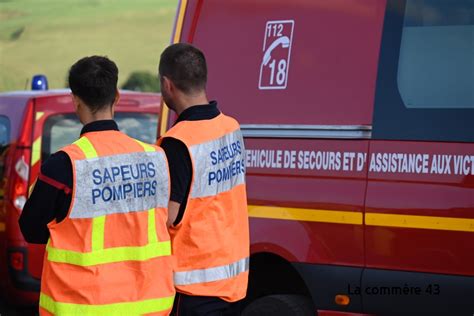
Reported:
(76, 101)
(117, 97)
(116, 100)
(168, 84)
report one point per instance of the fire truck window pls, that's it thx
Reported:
(4, 131)
(436, 63)
(142, 126)
(4, 142)
(425, 80)
(63, 129)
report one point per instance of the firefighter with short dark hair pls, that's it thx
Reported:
(208, 205)
(108, 250)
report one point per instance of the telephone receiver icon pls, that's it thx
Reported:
(284, 41)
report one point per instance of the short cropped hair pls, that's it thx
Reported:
(94, 80)
(185, 66)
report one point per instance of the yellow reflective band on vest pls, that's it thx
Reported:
(152, 235)
(110, 255)
(86, 146)
(98, 228)
(126, 308)
(98, 223)
(146, 147)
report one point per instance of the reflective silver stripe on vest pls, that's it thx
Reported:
(211, 274)
(120, 184)
(219, 165)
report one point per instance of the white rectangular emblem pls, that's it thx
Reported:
(219, 165)
(276, 55)
(120, 184)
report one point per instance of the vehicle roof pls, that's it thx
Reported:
(54, 92)
(33, 93)
(13, 104)
(20, 98)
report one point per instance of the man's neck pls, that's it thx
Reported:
(186, 102)
(99, 116)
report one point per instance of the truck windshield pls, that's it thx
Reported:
(63, 129)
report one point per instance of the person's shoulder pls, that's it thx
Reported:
(228, 117)
(179, 128)
(57, 166)
(230, 121)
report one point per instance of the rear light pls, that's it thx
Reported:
(20, 186)
(21, 155)
(18, 182)
(22, 168)
(19, 202)
(16, 261)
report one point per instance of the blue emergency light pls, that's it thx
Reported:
(39, 82)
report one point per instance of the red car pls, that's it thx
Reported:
(33, 125)
(359, 124)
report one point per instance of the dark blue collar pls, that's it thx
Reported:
(99, 126)
(199, 112)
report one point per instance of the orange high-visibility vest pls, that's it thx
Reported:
(211, 243)
(111, 255)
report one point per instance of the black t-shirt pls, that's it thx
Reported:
(51, 196)
(178, 157)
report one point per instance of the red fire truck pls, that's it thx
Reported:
(33, 125)
(359, 124)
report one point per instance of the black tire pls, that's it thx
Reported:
(281, 305)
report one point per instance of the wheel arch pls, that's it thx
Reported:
(272, 274)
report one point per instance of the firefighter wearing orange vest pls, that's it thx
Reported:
(111, 254)
(208, 216)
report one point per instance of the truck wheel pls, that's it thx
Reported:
(281, 305)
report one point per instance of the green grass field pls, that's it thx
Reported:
(48, 36)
